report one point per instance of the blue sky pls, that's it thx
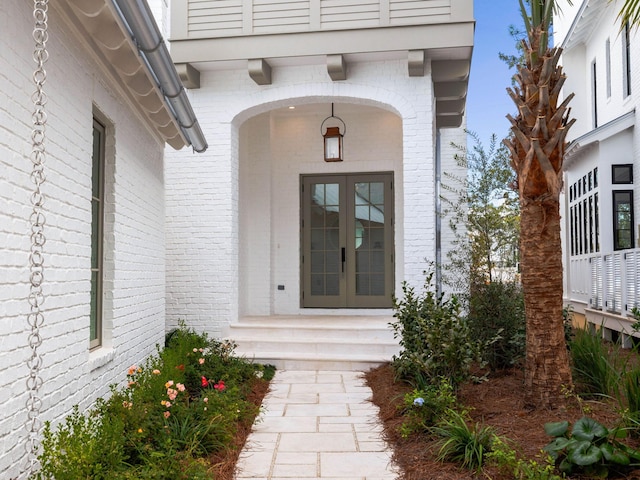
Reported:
(487, 99)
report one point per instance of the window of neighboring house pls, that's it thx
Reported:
(584, 230)
(596, 220)
(97, 236)
(594, 94)
(626, 61)
(622, 174)
(623, 219)
(607, 54)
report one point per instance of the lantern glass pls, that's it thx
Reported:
(333, 145)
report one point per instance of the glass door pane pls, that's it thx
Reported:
(325, 239)
(347, 250)
(323, 234)
(369, 238)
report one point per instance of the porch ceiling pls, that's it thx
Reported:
(99, 27)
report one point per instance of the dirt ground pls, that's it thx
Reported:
(497, 402)
(224, 462)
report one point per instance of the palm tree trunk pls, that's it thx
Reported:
(537, 148)
(547, 372)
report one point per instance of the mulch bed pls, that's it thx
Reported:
(224, 462)
(497, 402)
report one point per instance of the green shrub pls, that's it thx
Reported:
(171, 465)
(629, 399)
(421, 408)
(180, 406)
(590, 448)
(506, 459)
(496, 318)
(82, 446)
(461, 443)
(595, 367)
(435, 340)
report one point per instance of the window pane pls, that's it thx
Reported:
(621, 174)
(93, 320)
(333, 285)
(623, 219)
(377, 193)
(597, 220)
(95, 233)
(97, 219)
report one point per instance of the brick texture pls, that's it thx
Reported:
(134, 232)
(233, 213)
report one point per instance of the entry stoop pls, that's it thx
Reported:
(356, 343)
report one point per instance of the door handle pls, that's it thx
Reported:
(344, 257)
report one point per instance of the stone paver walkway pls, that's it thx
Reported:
(317, 424)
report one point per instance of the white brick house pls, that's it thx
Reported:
(103, 108)
(217, 239)
(245, 255)
(602, 165)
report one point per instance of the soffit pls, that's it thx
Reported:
(586, 142)
(442, 40)
(448, 46)
(99, 26)
(584, 23)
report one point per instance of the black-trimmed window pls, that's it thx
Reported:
(622, 174)
(626, 61)
(594, 94)
(584, 215)
(623, 219)
(607, 59)
(97, 236)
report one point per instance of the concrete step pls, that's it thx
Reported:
(316, 342)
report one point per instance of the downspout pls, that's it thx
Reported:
(138, 19)
(438, 266)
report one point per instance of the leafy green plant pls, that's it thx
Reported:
(590, 448)
(461, 443)
(635, 311)
(496, 318)
(183, 404)
(435, 340)
(629, 398)
(507, 460)
(421, 408)
(595, 367)
(82, 446)
(172, 464)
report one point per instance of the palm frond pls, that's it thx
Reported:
(629, 13)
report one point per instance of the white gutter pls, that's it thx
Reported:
(137, 17)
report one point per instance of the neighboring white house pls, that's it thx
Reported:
(105, 117)
(267, 241)
(601, 204)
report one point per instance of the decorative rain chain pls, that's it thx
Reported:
(35, 317)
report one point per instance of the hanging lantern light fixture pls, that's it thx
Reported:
(333, 139)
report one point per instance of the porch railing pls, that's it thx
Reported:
(607, 281)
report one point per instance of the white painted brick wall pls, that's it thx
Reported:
(221, 261)
(448, 138)
(134, 264)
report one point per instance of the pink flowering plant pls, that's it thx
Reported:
(183, 403)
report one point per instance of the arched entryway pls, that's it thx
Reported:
(280, 151)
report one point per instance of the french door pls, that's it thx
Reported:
(347, 241)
